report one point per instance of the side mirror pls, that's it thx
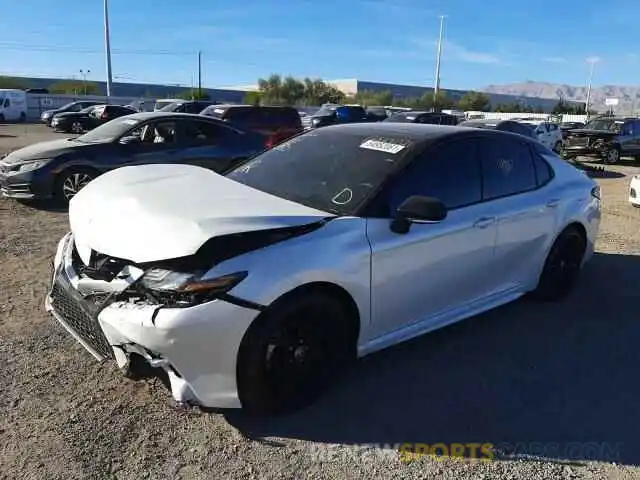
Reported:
(129, 140)
(418, 209)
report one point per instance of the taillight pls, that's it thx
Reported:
(271, 141)
(595, 192)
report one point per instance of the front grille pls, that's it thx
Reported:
(79, 319)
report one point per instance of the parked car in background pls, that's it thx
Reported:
(275, 123)
(259, 288)
(607, 138)
(456, 113)
(47, 115)
(163, 102)
(59, 169)
(548, 133)
(13, 105)
(89, 118)
(376, 114)
(501, 125)
(566, 127)
(187, 106)
(432, 118)
(336, 114)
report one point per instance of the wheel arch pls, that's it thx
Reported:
(335, 291)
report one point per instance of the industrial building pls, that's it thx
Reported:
(236, 94)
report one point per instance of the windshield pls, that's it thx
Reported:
(171, 107)
(162, 103)
(601, 124)
(331, 171)
(110, 131)
(325, 111)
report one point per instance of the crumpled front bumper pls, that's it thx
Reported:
(193, 349)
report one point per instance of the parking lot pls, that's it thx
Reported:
(556, 381)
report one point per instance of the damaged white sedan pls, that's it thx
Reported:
(257, 288)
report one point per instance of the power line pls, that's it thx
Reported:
(70, 49)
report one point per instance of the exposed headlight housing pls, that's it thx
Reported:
(180, 289)
(31, 165)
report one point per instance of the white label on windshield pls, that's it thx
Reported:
(382, 146)
(218, 110)
(411, 118)
(129, 121)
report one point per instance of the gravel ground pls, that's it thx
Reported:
(555, 381)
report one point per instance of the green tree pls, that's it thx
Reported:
(253, 98)
(74, 87)
(13, 82)
(276, 90)
(194, 94)
(475, 101)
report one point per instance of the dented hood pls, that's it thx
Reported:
(160, 212)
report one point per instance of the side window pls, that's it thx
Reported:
(449, 172)
(627, 128)
(636, 127)
(507, 167)
(204, 133)
(157, 132)
(543, 170)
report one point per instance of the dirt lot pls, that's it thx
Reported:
(559, 381)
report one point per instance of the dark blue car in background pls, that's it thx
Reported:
(60, 168)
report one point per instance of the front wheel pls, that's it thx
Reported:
(70, 182)
(558, 147)
(76, 127)
(611, 155)
(293, 352)
(562, 266)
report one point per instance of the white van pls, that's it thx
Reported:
(13, 105)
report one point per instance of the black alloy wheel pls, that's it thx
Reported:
(291, 355)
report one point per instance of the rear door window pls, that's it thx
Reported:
(241, 116)
(507, 167)
(206, 133)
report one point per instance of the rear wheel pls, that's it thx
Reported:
(291, 354)
(70, 182)
(562, 266)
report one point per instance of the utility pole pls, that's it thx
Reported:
(199, 75)
(593, 62)
(436, 89)
(84, 74)
(107, 48)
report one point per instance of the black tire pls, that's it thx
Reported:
(558, 147)
(292, 353)
(562, 266)
(611, 155)
(70, 182)
(76, 127)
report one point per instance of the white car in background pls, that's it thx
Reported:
(634, 191)
(548, 133)
(258, 288)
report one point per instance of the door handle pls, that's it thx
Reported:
(553, 203)
(484, 222)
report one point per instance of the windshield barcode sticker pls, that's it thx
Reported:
(381, 146)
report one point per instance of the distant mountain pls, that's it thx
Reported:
(628, 96)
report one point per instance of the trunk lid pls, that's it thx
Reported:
(160, 212)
